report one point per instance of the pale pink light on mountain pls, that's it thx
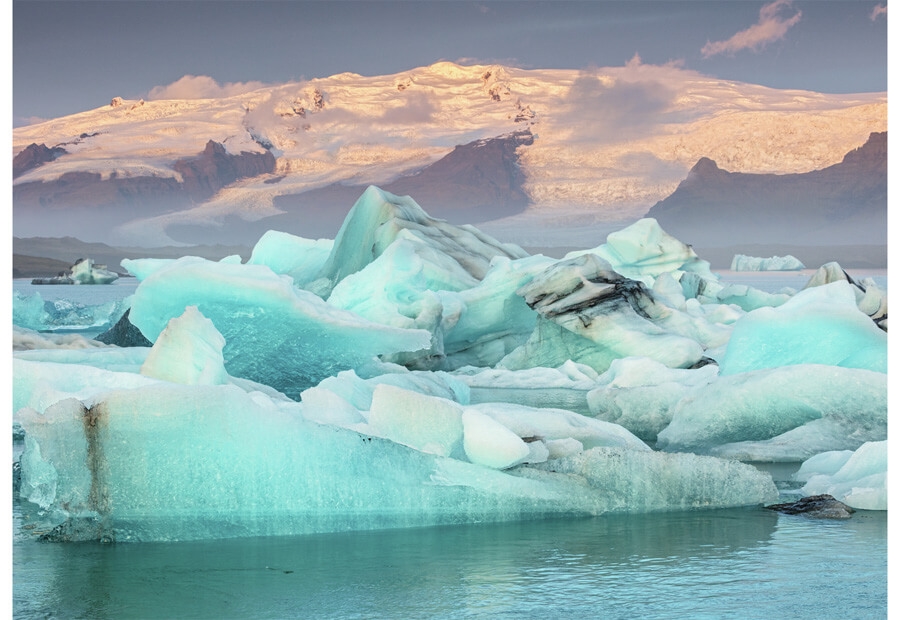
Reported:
(202, 87)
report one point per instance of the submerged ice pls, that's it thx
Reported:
(412, 373)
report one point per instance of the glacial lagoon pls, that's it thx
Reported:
(649, 560)
(740, 562)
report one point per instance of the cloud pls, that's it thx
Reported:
(418, 108)
(879, 10)
(772, 26)
(202, 87)
(608, 109)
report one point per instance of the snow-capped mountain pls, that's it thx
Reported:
(561, 152)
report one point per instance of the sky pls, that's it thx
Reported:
(76, 55)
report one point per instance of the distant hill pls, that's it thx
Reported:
(47, 256)
(37, 266)
(841, 205)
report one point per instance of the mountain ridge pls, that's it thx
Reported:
(845, 203)
(590, 157)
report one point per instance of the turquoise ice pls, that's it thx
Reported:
(412, 372)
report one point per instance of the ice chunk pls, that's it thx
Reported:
(85, 271)
(859, 479)
(820, 325)
(176, 462)
(490, 319)
(287, 254)
(142, 268)
(781, 414)
(25, 339)
(378, 218)
(32, 312)
(428, 424)
(274, 333)
(742, 262)
(641, 394)
(40, 384)
(533, 423)
(644, 250)
(399, 289)
(748, 298)
(647, 481)
(189, 350)
(869, 298)
(358, 392)
(592, 315)
(491, 444)
(565, 387)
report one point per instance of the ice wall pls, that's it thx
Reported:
(174, 462)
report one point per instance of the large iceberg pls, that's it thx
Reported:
(412, 372)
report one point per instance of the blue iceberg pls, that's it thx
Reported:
(413, 373)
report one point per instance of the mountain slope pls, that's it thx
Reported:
(595, 155)
(843, 204)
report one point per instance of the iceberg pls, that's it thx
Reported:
(857, 478)
(590, 314)
(179, 462)
(742, 262)
(819, 325)
(32, 312)
(413, 373)
(784, 414)
(275, 333)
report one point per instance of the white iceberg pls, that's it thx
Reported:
(742, 262)
(857, 478)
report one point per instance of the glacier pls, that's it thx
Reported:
(411, 372)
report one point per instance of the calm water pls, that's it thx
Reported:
(748, 563)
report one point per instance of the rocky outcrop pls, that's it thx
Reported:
(815, 506)
(214, 169)
(124, 334)
(473, 183)
(34, 155)
(90, 199)
(843, 204)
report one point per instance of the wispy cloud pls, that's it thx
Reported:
(772, 26)
(608, 109)
(417, 108)
(201, 87)
(878, 11)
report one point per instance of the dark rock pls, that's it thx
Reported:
(214, 168)
(815, 506)
(124, 334)
(475, 182)
(843, 204)
(34, 155)
(87, 200)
